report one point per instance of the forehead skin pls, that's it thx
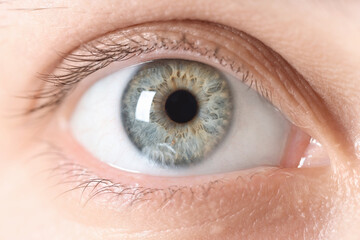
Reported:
(318, 38)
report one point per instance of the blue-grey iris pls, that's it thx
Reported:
(176, 111)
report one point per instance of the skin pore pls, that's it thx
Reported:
(317, 38)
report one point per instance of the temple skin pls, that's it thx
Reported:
(319, 39)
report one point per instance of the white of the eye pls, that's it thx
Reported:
(257, 135)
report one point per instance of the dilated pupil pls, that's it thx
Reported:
(181, 106)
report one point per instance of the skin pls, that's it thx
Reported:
(319, 39)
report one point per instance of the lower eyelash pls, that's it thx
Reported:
(74, 179)
(91, 187)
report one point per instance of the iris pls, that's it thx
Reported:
(176, 111)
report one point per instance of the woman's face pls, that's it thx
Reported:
(79, 160)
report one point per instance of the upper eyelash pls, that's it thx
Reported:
(59, 85)
(93, 58)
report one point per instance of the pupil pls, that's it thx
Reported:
(181, 106)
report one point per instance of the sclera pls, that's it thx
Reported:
(256, 124)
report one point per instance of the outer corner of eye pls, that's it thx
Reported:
(180, 117)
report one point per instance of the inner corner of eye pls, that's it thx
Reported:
(181, 117)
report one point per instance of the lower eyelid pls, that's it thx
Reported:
(257, 196)
(244, 195)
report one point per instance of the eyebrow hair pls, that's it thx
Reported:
(28, 9)
(36, 9)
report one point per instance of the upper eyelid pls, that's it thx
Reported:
(97, 58)
(295, 90)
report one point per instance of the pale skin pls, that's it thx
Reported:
(320, 39)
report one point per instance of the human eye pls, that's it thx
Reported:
(241, 147)
(170, 116)
(180, 116)
(153, 103)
